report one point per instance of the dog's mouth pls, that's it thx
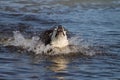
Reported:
(59, 31)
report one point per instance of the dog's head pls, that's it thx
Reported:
(58, 31)
(59, 37)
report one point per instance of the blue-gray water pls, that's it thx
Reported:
(97, 22)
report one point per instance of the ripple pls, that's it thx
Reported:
(95, 22)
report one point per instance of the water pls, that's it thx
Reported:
(96, 24)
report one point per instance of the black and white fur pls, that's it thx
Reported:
(56, 37)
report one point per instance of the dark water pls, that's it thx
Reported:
(95, 21)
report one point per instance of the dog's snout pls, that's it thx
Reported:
(60, 28)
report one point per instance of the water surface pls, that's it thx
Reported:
(97, 23)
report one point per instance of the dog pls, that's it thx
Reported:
(56, 37)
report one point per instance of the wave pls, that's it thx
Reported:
(76, 46)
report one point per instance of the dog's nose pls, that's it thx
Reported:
(60, 28)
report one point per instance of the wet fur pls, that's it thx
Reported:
(46, 35)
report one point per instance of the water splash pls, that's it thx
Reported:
(38, 47)
(20, 41)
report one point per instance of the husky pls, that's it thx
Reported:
(56, 37)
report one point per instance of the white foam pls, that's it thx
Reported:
(20, 41)
(35, 45)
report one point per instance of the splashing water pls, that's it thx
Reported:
(38, 47)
